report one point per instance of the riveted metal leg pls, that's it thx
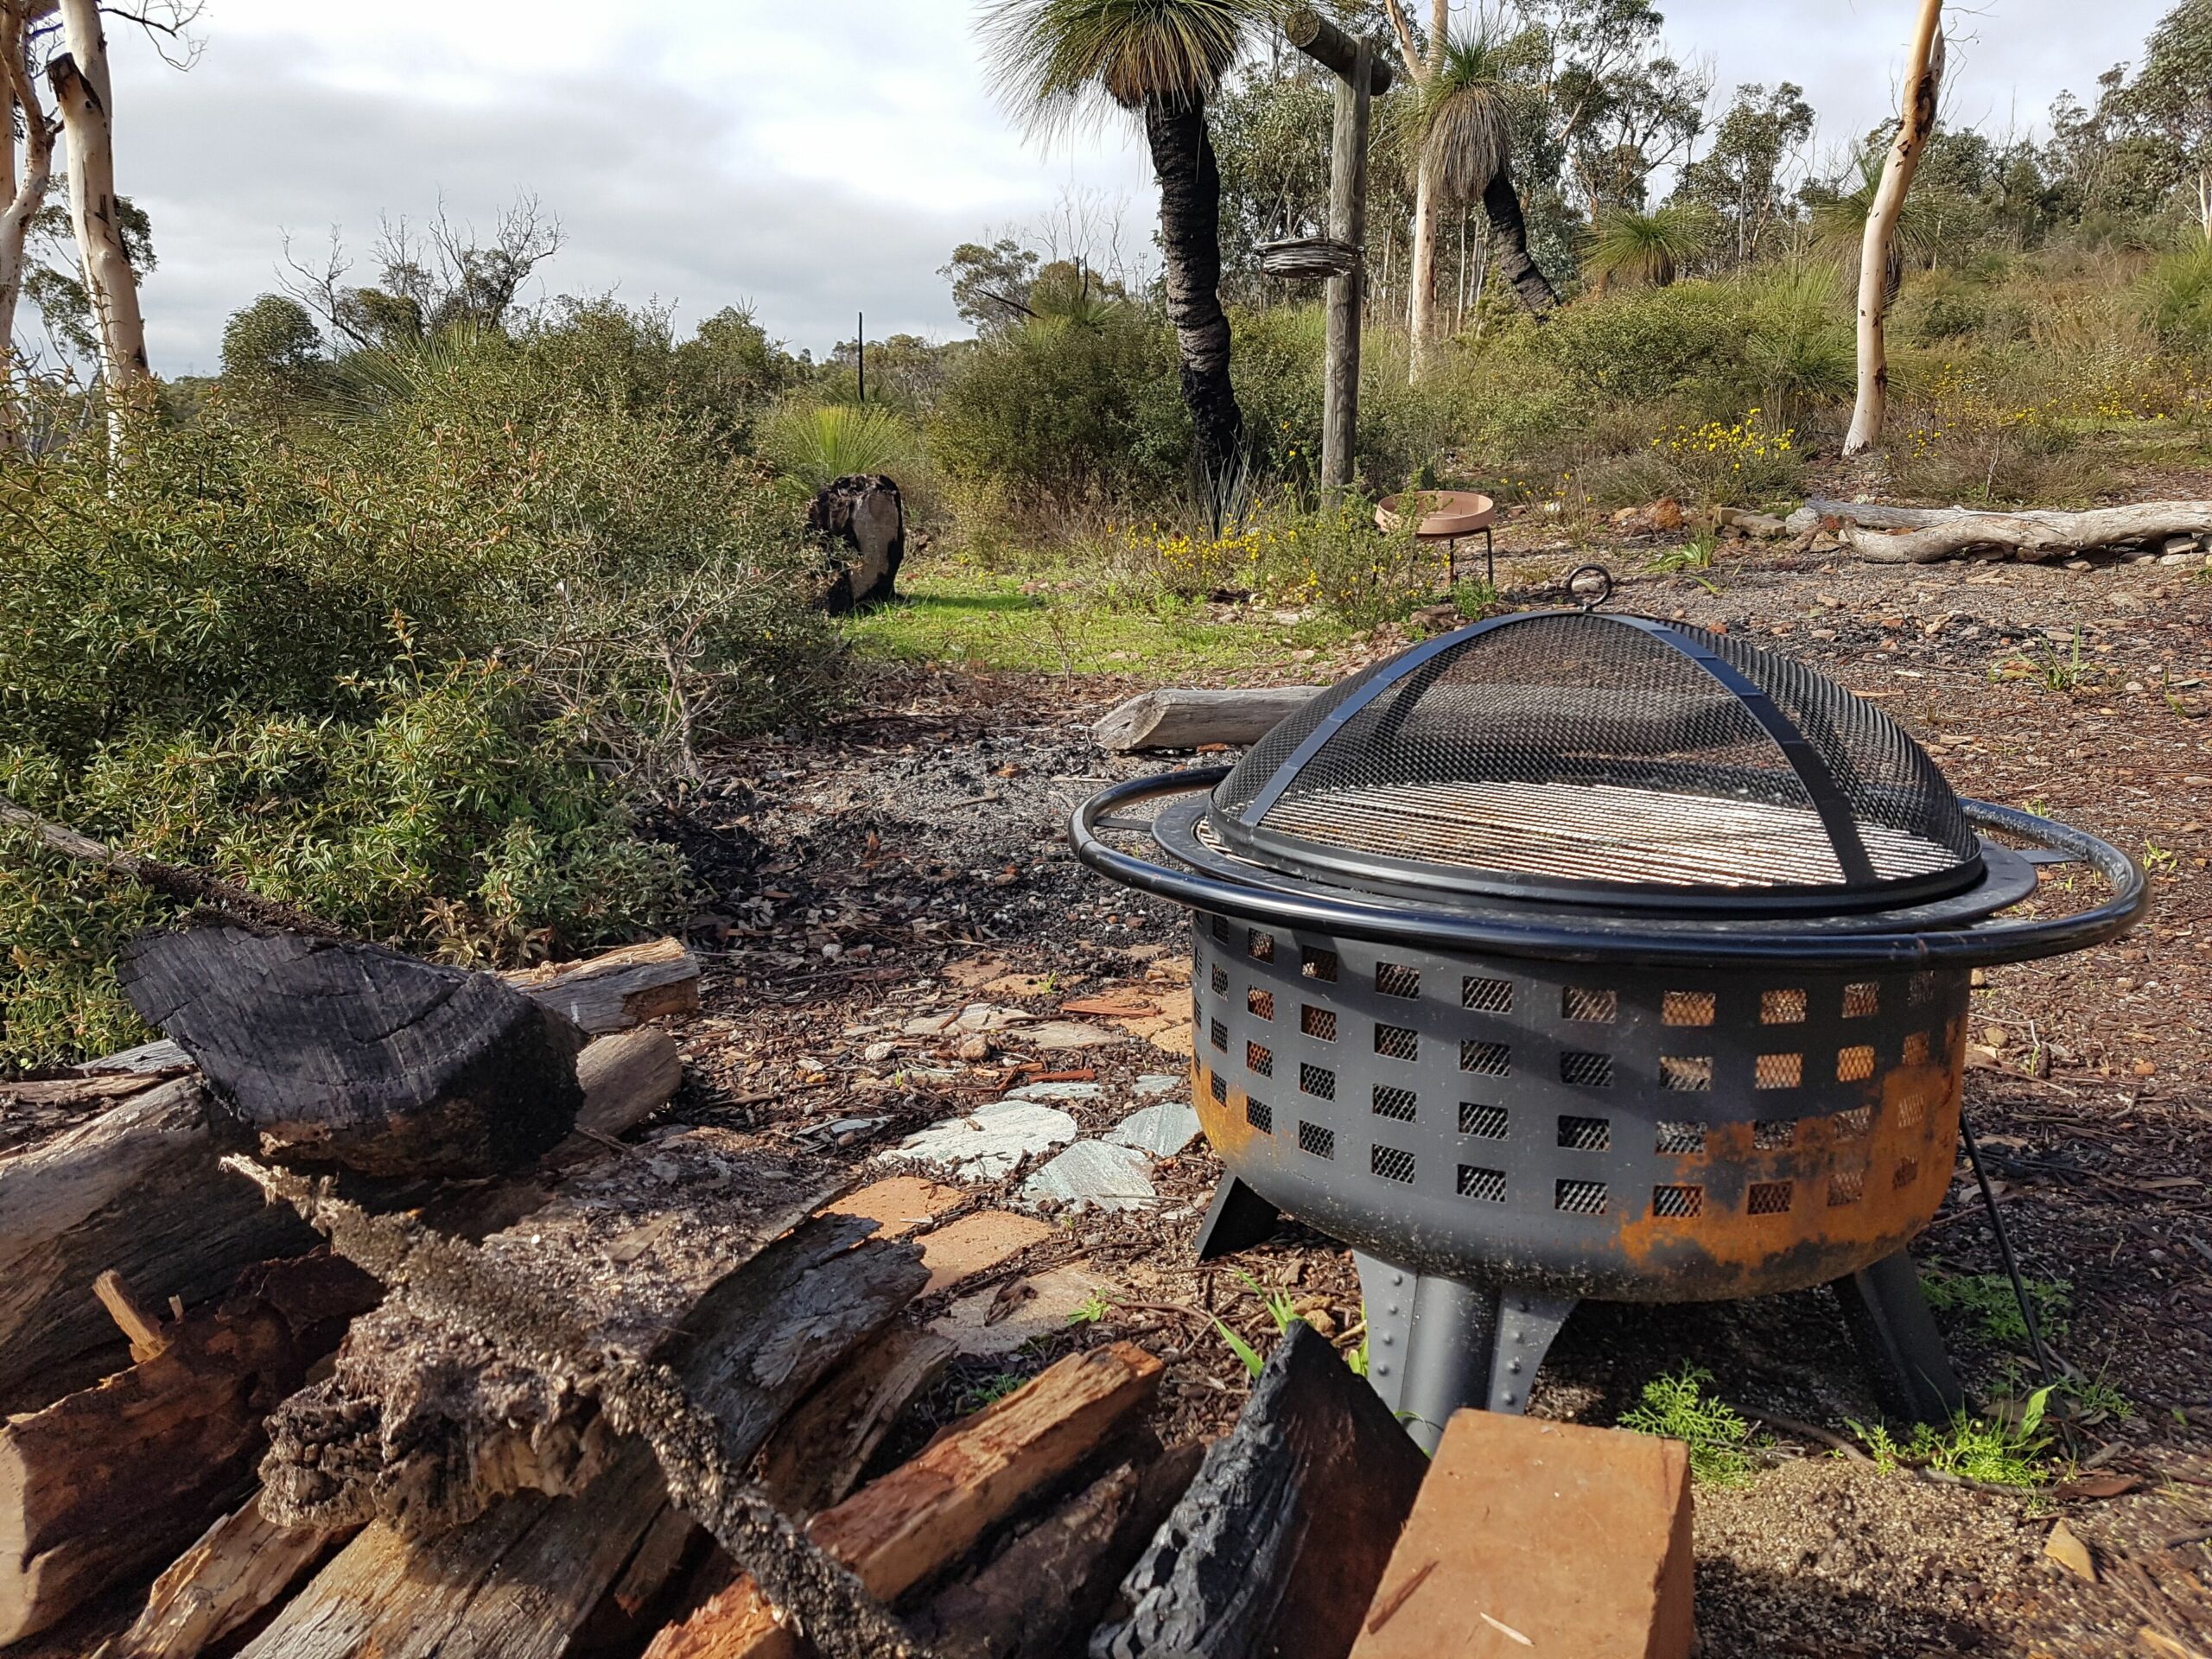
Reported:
(1237, 1219)
(1899, 1341)
(1435, 1344)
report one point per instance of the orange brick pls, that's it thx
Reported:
(897, 1206)
(1534, 1538)
(975, 1244)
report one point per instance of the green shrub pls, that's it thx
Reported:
(1641, 344)
(2177, 298)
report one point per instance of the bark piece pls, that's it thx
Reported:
(239, 1567)
(619, 988)
(324, 1052)
(109, 1479)
(898, 1532)
(137, 1190)
(2030, 536)
(1278, 1545)
(1541, 1537)
(815, 1459)
(1183, 718)
(521, 1579)
(429, 1416)
(862, 520)
(1042, 1593)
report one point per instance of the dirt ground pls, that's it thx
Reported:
(894, 866)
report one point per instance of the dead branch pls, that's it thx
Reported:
(1945, 533)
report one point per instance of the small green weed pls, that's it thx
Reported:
(1245, 1351)
(1973, 1448)
(1476, 600)
(1678, 1408)
(2160, 861)
(2065, 673)
(1696, 554)
(1987, 1299)
(1279, 1309)
(1093, 1308)
(990, 1390)
(2092, 1396)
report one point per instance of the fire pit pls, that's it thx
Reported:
(1576, 954)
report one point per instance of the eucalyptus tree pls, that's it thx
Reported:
(1059, 63)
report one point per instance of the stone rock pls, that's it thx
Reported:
(1091, 1172)
(975, 1018)
(999, 1320)
(1063, 1033)
(973, 1244)
(988, 1143)
(1162, 1130)
(861, 522)
(1158, 1083)
(1067, 1088)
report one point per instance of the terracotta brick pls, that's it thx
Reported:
(975, 1244)
(1534, 1538)
(899, 1204)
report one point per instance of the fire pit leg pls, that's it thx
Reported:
(1898, 1339)
(1436, 1345)
(1237, 1219)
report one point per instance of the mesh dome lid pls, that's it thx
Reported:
(1601, 758)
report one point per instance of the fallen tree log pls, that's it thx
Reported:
(112, 1478)
(138, 1190)
(428, 1418)
(1038, 1597)
(898, 1532)
(619, 988)
(1278, 1543)
(1884, 535)
(326, 1052)
(235, 1571)
(702, 1463)
(1181, 718)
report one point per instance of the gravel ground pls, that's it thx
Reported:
(891, 867)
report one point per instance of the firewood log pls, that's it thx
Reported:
(521, 1579)
(116, 1477)
(1886, 535)
(325, 1052)
(235, 1571)
(902, 1530)
(1177, 718)
(619, 988)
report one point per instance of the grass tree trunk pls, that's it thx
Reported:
(1923, 80)
(1189, 240)
(1509, 230)
(27, 179)
(81, 92)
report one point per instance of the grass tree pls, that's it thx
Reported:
(1060, 62)
(1464, 118)
(1646, 247)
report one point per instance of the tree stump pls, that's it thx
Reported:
(863, 521)
(325, 1052)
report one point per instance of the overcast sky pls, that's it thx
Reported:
(809, 157)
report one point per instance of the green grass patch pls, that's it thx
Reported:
(1986, 1299)
(1975, 1448)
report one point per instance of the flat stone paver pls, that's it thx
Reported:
(988, 1143)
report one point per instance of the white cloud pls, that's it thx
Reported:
(815, 159)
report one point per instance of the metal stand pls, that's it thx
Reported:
(1237, 1219)
(1436, 1345)
(1898, 1339)
(1452, 560)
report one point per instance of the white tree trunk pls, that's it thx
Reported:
(1924, 78)
(26, 194)
(81, 92)
(1420, 321)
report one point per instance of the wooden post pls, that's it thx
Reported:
(1345, 293)
(1362, 74)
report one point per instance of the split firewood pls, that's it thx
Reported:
(1184, 718)
(325, 1052)
(428, 1418)
(111, 1479)
(239, 1568)
(900, 1531)
(815, 1459)
(619, 988)
(1039, 1597)
(138, 1190)
(1886, 535)
(691, 1440)
(1278, 1543)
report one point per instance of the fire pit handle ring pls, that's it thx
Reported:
(1580, 591)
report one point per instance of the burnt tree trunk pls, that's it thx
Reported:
(323, 1051)
(862, 519)
(1189, 240)
(1510, 232)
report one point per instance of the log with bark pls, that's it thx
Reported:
(428, 1418)
(1927, 535)
(701, 1462)
(138, 1189)
(900, 1531)
(237, 1570)
(1278, 1545)
(1182, 718)
(326, 1052)
(116, 1477)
